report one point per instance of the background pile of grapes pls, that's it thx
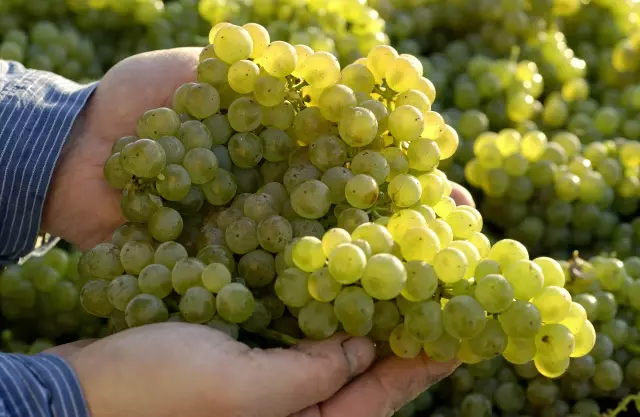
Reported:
(544, 96)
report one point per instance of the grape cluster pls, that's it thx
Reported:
(316, 198)
(40, 299)
(345, 28)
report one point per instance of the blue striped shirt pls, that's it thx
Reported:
(37, 111)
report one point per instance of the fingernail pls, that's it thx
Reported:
(360, 353)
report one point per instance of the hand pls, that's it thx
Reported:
(81, 207)
(177, 369)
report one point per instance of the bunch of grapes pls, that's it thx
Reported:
(345, 28)
(280, 188)
(40, 299)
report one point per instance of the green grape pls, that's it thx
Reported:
(405, 190)
(358, 126)
(450, 265)
(463, 223)
(242, 76)
(552, 271)
(463, 317)
(154, 124)
(174, 184)
(257, 268)
(481, 243)
(311, 199)
(351, 218)
(215, 276)
(143, 158)
(526, 279)
(585, 340)
(291, 287)
(317, 320)
(332, 238)
(260, 206)
(103, 261)
(231, 43)
(211, 70)
(399, 164)
(423, 321)
(201, 165)
(45, 278)
(486, 267)
(420, 244)
(197, 305)
(443, 349)
(234, 303)
(427, 212)
(114, 173)
(358, 77)
(371, 163)
(244, 114)
(277, 145)
(423, 154)
(521, 320)
(491, 341)
(173, 148)
(165, 224)
(520, 351)
(378, 237)
(186, 274)
(553, 303)
(422, 281)
(305, 227)
(384, 276)
(308, 255)
(434, 126)
(320, 70)
(279, 59)
(130, 231)
(336, 179)
(280, 116)
(269, 91)
(608, 376)
(245, 149)
(180, 96)
(241, 236)
(448, 142)
(121, 143)
(554, 342)
(322, 286)
(193, 134)
(202, 100)
(155, 279)
(353, 306)
(274, 233)
(444, 232)
(309, 124)
(361, 191)
(220, 190)
(122, 290)
(347, 263)
(494, 293)
(334, 100)
(507, 252)
(145, 309)
(402, 221)
(168, 253)
(403, 344)
(575, 319)
(406, 123)
(297, 174)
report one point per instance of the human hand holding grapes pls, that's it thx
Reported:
(81, 207)
(173, 369)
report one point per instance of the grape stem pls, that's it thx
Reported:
(279, 337)
(385, 93)
(624, 404)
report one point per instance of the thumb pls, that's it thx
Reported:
(314, 371)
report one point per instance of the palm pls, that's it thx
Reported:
(82, 208)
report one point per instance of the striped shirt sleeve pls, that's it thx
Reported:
(37, 111)
(39, 386)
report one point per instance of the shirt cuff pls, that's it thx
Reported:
(37, 111)
(41, 385)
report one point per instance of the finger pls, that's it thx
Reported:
(69, 349)
(461, 195)
(312, 371)
(385, 388)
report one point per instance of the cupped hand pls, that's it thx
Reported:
(178, 369)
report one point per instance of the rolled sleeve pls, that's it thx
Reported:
(39, 386)
(37, 111)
